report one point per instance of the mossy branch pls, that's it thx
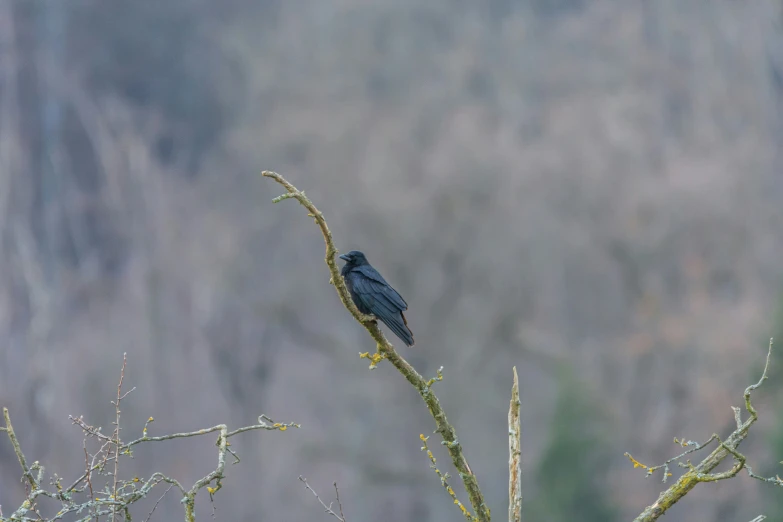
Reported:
(386, 351)
(9, 429)
(444, 479)
(703, 471)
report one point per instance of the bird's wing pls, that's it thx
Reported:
(375, 281)
(373, 297)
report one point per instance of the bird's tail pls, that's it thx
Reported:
(399, 325)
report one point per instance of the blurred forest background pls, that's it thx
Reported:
(590, 190)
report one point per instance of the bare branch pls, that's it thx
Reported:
(328, 509)
(702, 472)
(385, 350)
(114, 496)
(514, 455)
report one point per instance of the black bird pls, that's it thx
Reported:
(372, 295)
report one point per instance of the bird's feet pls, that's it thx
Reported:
(365, 318)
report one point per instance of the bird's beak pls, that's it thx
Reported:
(344, 257)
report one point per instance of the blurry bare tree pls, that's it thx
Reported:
(613, 167)
(101, 490)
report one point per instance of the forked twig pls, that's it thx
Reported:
(328, 509)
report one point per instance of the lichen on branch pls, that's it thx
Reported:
(703, 471)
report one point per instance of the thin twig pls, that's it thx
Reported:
(340, 504)
(753, 387)
(117, 442)
(694, 446)
(88, 471)
(386, 351)
(158, 502)
(328, 509)
(444, 480)
(514, 455)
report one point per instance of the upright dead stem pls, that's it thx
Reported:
(514, 455)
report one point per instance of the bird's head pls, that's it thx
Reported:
(354, 258)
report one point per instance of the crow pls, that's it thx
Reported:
(372, 295)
